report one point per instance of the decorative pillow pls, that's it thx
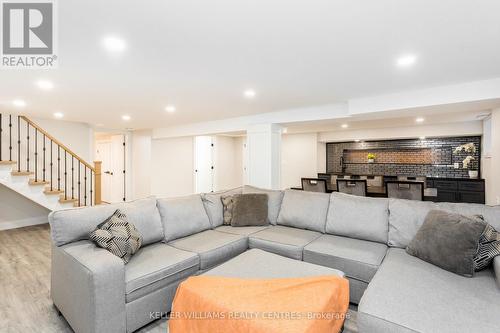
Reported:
(227, 208)
(274, 199)
(213, 205)
(249, 210)
(118, 236)
(449, 241)
(489, 248)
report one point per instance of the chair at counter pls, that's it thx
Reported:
(409, 190)
(314, 185)
(352, 186)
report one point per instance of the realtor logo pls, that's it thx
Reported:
(28, 32)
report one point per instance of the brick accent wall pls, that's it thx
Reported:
(432, 157)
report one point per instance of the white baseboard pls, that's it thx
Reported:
(23, 223)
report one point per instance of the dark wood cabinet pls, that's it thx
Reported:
(460, 190)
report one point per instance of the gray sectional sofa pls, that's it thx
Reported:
(362, 237)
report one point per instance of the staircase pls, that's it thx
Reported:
(42, 169)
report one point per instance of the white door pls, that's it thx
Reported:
(111, 153)
(203, 164)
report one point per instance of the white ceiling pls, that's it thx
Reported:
(201, 55)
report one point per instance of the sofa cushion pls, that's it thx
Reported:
(156, 266)
(183, 216)
(244, 231)
(358, 217)
(406, 217)
(213, 205)
(213, 247)
(405, 288)
(304, 210)
(274, 198)
(496, 268)
(258, 264)
(285, 241)
(70, 225)
(358, 259)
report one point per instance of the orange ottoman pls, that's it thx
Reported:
(265, 301)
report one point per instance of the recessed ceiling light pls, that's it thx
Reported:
(19, 103)
(357, 140)
(344, 126)
(45, 85)
(284, 130)
(126, 117)
(58, 115)
(249, 93)
(114, 44)
(406, 60)
(422, 138)
(420, 120)
(170, 108)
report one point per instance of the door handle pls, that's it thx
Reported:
(109, 173)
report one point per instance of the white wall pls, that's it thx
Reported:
(491, 163)
(228, 163)
(441, 130)
(172, 167)
(79, 137)
(141, 165)
(299, 158)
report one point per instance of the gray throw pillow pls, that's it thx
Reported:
(118, 236)
(449, 241)
(227, 208)
(249, 210)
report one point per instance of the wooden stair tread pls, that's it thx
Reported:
(38, 182)
(7, 162)
(49, 192)
(22, 173)
(67, 200)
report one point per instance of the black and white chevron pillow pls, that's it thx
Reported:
(489, 248)
(118, 236)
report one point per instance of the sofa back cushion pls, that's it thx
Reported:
(304, 210)
(407, 216)
(358, 217)
(496, 268)
(274, 199)
(213, 205)
(183, 216)
(71, 225)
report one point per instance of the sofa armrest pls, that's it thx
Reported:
(88, 287)
(496, 268)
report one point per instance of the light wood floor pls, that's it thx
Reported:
(25, 304)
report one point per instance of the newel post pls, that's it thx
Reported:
(98, 182)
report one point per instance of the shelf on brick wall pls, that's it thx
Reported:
(378, 163)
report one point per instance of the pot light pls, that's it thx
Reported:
(284, 130)
(249, 93)
(114, 44)
(58, 115)
(357, 140)
(406, 60)
(19, 103)
(420, 120)
(126, 117)
(45, 85)
(344, 126)
(170, 108)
